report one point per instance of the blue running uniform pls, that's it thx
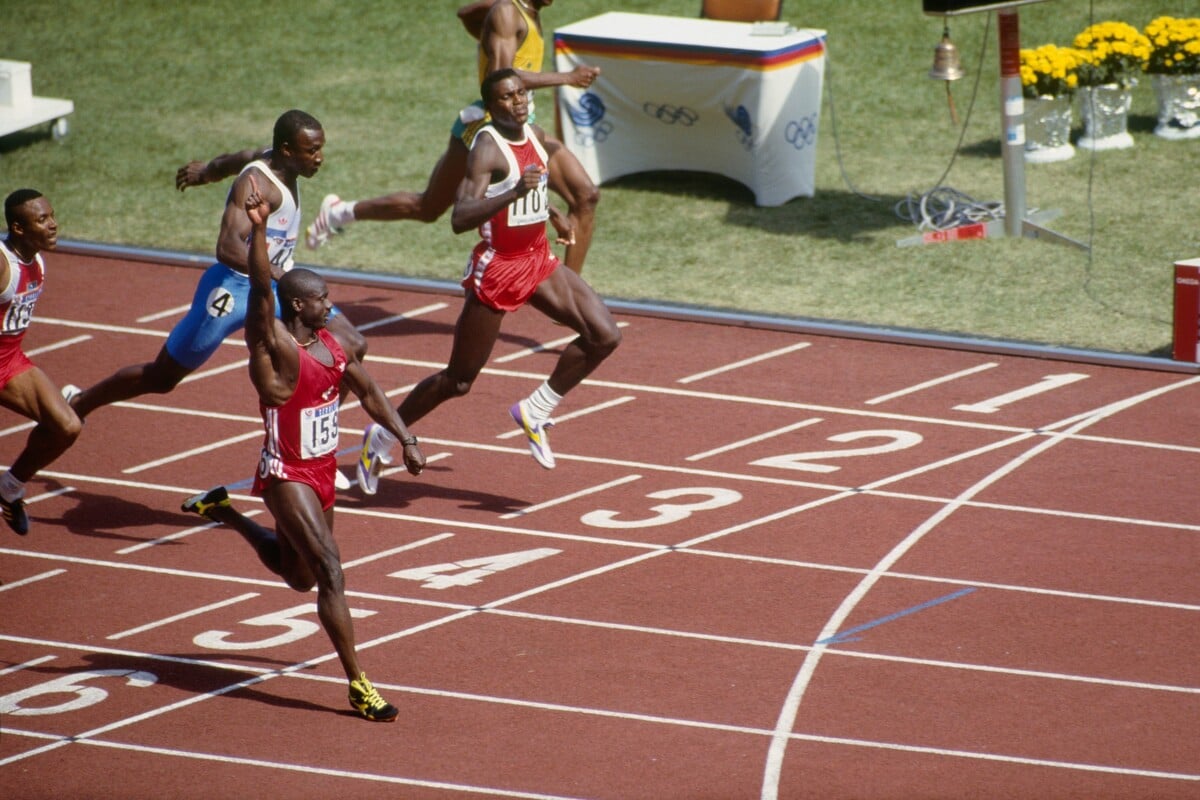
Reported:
(222, 294)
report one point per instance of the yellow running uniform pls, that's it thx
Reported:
(528, 58)
(530, 52)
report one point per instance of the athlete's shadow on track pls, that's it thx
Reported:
(104, 516)
(396, 492)
(364, 313)
(196, 678)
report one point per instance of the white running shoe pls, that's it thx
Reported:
(340, 481)
(535, 434)
(321, 228)
(370, 461)
(70, 392)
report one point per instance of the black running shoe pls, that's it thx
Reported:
(366, 701)
(15, 516)
(204, 503)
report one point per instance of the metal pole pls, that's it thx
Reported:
(1012, 115)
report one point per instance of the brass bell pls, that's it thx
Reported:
(946, 63)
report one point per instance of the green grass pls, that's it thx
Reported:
(158, 83)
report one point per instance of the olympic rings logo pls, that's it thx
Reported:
(801, 133)
(669, 114)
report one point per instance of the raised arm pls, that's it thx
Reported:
(274, 358)
(198, 173)
(234, 236)
(472, 16)
(503, 30)
(485, 162)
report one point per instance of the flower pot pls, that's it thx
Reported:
(1105, 112)
(1048, 129)
(1178, 106)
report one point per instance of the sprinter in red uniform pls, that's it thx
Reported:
(297, 365)
(24, 388)
(504, 195)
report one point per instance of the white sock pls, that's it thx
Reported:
(342, 214)
(541, 404)
(10, 488)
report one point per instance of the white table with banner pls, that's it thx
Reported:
(678, 93)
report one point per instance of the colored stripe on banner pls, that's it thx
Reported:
(583, 46)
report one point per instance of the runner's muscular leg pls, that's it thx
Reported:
(567, 298)
(33, 395)
(157, 377)
(570, 181)
(308, 530)
(268, 546)
(474, 336)
(427, 206)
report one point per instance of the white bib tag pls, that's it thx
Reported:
(319, 430)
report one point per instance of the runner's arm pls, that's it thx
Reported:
(198, 173)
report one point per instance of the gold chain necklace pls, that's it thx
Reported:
(307, 344)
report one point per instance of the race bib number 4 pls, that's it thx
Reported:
(319, 430)
(220, 302)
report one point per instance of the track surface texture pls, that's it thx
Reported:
(768, 565)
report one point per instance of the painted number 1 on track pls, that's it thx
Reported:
(1046, 384)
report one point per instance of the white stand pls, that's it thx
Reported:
(19, 109)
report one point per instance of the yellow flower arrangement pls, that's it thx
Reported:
(1174, 46)
(1111, 52)
(1048, 71)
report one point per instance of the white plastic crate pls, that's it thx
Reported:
(16, 86)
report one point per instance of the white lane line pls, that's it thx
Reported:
(949, 581)
(208, 373)
(171, 537)
(31, 579)
(883, 398)
(37, 498)
(23, 426)
(33, 662)
(786, 721)
(309, 769)
(58, 741)
(573, 496)
(573, 415)
(400, 549)
(57, 345)
(400, 468)
(544, 346)
(187, 412)
(193, 452)
(744, 362)
(96, 326)
(643, 466)
(195, 612)
(416, 312)
(170, 312)
(753, 439)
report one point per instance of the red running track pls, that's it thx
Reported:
(769, 564)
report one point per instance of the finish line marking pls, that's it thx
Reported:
(848, 636)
